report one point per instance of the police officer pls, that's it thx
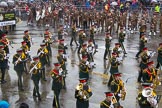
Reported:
(82, 93)
(121, 39)
(84, 68)
(143, 41)
(143, 64)
(73, 35)
(56, 84)
(42, 53)
(159, 58)
(107, 46)
(27, 39)
(5, 42)
(35, 76)
(81, 39)
(3, 64)
(19, 66)
(61, 60)
(117, 85)
(114, 67)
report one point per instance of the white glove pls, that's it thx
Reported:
(60, 70)
(80, 93)
(110, 37)
(84, 97)
(119, 95)
(87, 63)
(111, 106)
(35, 68)
(60, 73)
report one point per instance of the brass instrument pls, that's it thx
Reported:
(83, 94)
(150, 95)
(123, 91)
(156, 81)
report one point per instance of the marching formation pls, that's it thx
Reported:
(84, 26)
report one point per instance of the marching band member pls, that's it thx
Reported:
(47, 33)
(27, 39)
(92, 33)
(62, 46)
(107, 46)
(114, 67)
(35, 76)
(82, 93)
(81, 39)
(147, 98)
(117, 87)
(110, 101)
(116, 49)
(48, 43)
(143, 64)
(149, 73)
(121, 39)
(5, 42)
(90, 50)
(42, 53)
(3, 64)
(25, 51)
(159, 58)
(56, 84)
(60, 32)
(84, 51)
(84, 68)
(143, 41)
(18, 61)
(61, 60)
(73, 35)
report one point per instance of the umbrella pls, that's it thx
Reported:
(114, 4)
(3, 3)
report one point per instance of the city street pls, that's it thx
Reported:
(128, 68)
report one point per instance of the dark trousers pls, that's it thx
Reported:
(3, 70)
(110, 80)
(56, 103)
(158, 65)
(80, 46)
(19, 75)
(73, 39)
(122, 46)
(43, 74)
(139, 76)
(107, 52)
(36, 88)
(139, 52)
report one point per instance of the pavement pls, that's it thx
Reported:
(129, 68)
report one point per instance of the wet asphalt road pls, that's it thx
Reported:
(129, 68)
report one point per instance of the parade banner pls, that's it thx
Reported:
(7, 18)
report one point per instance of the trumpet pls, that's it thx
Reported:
(83, 94)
